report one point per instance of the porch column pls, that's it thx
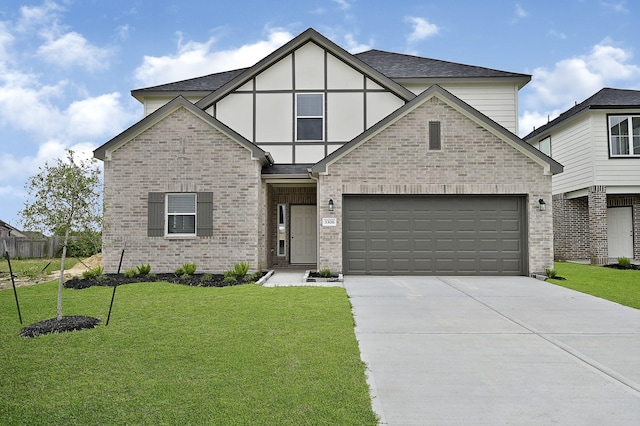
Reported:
(598, 242)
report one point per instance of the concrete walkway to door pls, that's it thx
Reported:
(495, 351)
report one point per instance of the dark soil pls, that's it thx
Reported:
(54, 325)
(200, 280)
(316, 274)
(617, 266)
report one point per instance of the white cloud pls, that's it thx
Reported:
(97, 117)
(353, 46)
(520, 12)
(37, 16)
(194, 59)
(574, 79)
(344, 5)
(616, 6)
(72, 50)
(422, 29)
(557, 34)
(6, 39)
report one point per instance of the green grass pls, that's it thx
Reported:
(621, 286)
(33, 268)
(185, 355)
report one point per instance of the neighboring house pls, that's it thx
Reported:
(7, 230)
(596, 201)
(374, 163)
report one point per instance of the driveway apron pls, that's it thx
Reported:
(495, 351)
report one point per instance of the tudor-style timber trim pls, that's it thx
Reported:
(310, 35)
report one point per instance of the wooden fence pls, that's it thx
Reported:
(26, 248)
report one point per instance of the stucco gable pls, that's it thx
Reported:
(310, 35)
(104, 151)
(550, 166)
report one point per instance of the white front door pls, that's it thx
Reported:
(620, 232)
(303, 234)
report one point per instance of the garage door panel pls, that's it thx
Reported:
(434, 235)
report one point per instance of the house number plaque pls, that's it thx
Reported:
(329, 221)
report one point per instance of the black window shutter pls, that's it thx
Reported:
(434, 136)
(155, 224)
(205, 214)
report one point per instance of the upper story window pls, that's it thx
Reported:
(181, 214)
(624, 135)
(309, 117)
(545, 146)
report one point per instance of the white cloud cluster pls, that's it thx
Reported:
(41, 115)
(574, 79)
(73, 50)
(194, 59)
(422, 29)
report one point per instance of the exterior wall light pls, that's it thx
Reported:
(330, 205)
(542, 204)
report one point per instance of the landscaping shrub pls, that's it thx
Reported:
(145, 269)
(131, 273)
(93, 272)
(550, 273)
(325, 272)
(241, 269)
(624, 262)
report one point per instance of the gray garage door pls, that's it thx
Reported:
(444, 235)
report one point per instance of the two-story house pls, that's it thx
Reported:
(596, 201)
(373, 163)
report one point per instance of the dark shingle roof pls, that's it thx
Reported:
(397, 65)
(286, 169)
(392, 65)
(207, 83)
(606, 98)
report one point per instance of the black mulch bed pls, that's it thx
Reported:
(53, 325)
(199, 280)
(617, 266)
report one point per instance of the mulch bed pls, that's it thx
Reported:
(617, 266)
(199, 280)
(53, 325)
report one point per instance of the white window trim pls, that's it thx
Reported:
(322, 137)
(166, 216)
(547, 139)
(629, 118)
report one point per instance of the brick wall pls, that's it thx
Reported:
(598, 241)
(472, 161)
(570, 228)
(182, 153)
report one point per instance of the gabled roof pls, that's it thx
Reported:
(199, 85)
(310, 35)
(395, 66)
(399, 66)
(606, 98)
(104, 151)
(550, 165)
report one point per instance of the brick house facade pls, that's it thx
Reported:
(206, 178)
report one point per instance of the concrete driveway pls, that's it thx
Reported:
(495, 351)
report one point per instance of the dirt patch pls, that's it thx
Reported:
(76, 271)
(53, 325)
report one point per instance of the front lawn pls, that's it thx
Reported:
(175, 354)
(621, 286)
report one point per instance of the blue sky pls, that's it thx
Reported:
(67, 66)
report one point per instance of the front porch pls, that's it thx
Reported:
(291, 227)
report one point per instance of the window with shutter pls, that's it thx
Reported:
(180, 214)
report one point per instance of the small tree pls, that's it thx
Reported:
(63, 197)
